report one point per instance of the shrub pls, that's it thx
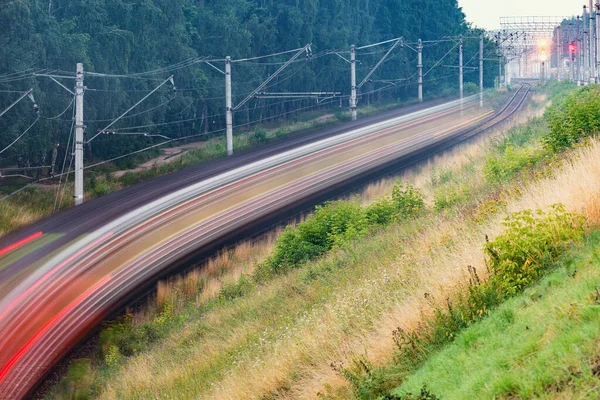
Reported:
(78, 381)
(331, 225)
(441, 176)
(574, 117)
(500, 168)
(236, 289)
(407, 200)
(282, 132)
(531, 242)
(259, 136)
(334, 225)
(470, 88)
(343, 116)
(382, 212)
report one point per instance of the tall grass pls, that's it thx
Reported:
(541, 344)
(290, 337)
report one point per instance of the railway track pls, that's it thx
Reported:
(60, 294)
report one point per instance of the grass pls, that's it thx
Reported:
(291, 336)
(541, 344)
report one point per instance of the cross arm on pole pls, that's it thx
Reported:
(26, 94)
(306, 49)
(217, 68)
(61, 85)
(396, 43)
(169, 79)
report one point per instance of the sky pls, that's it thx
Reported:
(486, 13)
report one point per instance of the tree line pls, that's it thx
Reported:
(126, 37)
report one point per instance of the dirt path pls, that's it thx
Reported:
(169, 155)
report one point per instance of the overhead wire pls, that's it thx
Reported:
(67, 149)
(20, 136)
(62, 113)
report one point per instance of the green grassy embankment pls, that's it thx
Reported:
(491, 340)
(540, 344)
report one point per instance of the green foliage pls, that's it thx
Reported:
(77, 383)
(367, 381)
(100, 187)
(236, 289)
(532, 241)
(258, 137)
(281, 132)
(150, 35)
(574, 117)
(471, 88)
(334, 225)
(505, 166)
(523, 135)
(543, 343)
(424, 394)
(343, 116)
(530, 244)
(447, 196)
(408, 200)
(441, 176)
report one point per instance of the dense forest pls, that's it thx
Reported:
(140, 43)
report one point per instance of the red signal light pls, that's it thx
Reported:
(572, 48)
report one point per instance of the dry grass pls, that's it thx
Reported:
(576, 185)
(471, 153)
(204, 282)
(282, 340)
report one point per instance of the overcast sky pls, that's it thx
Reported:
(486, 13)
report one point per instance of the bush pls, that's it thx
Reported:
(500, 168)
(382, 212)
(282, 132)
(259, 136)
(343, 116)
(407, 200)
(573, 118)
(531, 242)
(470, 88)
(334, 225)
(77, 384)
(331, 225)
(237, 289)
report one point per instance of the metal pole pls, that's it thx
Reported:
(420, 68)
(592, 43)
(499, 63)
(578, 50)
(460, 68)
(228, 105)
(481, 70)
(353, 82)
(585, 67)
(597, 74)
(558, 55)
(79, 128)
(543, 72)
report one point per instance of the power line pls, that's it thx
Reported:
(20, 136)
(64, 163)
(62, 113)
